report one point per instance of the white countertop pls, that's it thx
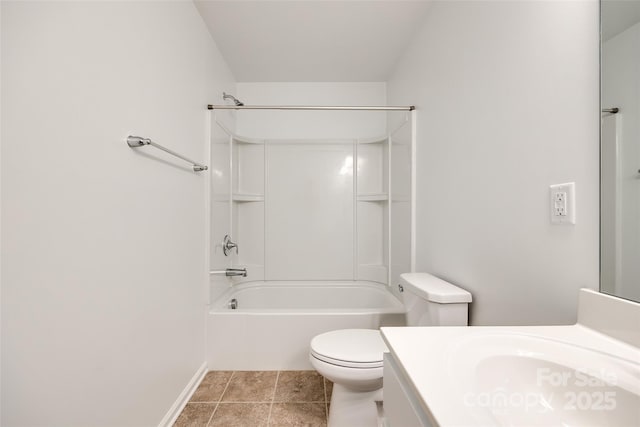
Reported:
(441, 363)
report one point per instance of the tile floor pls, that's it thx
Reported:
(258, 398)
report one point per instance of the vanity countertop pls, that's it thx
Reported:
(457, 373)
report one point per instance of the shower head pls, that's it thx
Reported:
(235, 100)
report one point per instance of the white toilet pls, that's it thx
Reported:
(352, 358)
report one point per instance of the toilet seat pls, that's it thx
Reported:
(350, 348)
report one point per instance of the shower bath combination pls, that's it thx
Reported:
(324, 225)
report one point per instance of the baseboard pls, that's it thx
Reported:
(177, 407)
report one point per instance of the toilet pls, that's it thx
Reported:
(353, 358)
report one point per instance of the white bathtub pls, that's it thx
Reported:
(275, 321)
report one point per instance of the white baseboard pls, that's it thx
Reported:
(177, 407)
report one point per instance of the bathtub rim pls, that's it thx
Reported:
(219, 307)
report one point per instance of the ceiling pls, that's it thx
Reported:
(618, 15)
(312, 41)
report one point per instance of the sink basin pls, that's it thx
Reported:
(581, 375)
(525, 380)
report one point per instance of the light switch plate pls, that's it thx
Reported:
(562, 203)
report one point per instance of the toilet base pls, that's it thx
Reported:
(353, 408)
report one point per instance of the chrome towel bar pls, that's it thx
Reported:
(138, 141)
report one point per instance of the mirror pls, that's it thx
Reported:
(620, 149)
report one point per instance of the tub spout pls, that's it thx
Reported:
(230, 272)
(236, 272)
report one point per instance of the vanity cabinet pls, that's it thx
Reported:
(402, 408)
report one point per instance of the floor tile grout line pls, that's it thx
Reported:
(233, 373)
(213, 413)
(326, 401)
(273, 397)
(297, 402)
(220, 398)
(255, 402)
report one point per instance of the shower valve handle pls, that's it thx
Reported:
(228, 245)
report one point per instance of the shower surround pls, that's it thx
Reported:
(323, 227)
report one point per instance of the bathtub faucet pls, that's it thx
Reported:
(228, 246)
(236, 272)
(230, 272)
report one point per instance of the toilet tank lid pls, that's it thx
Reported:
(434, 289)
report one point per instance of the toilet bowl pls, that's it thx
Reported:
(353, 358)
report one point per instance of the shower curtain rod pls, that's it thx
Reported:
(308, 107)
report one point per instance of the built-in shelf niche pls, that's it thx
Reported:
(400, 206)
(380, 197)
(244, 197)
(247, 207)
(372, 209)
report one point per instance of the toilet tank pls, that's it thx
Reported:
(431, 301)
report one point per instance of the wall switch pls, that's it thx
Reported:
(563, 203)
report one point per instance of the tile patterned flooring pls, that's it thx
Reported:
(258, 398)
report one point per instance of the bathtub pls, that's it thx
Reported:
(274, 321)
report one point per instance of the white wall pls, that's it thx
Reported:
(507, 97)
(103, 248)
(312, 124)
